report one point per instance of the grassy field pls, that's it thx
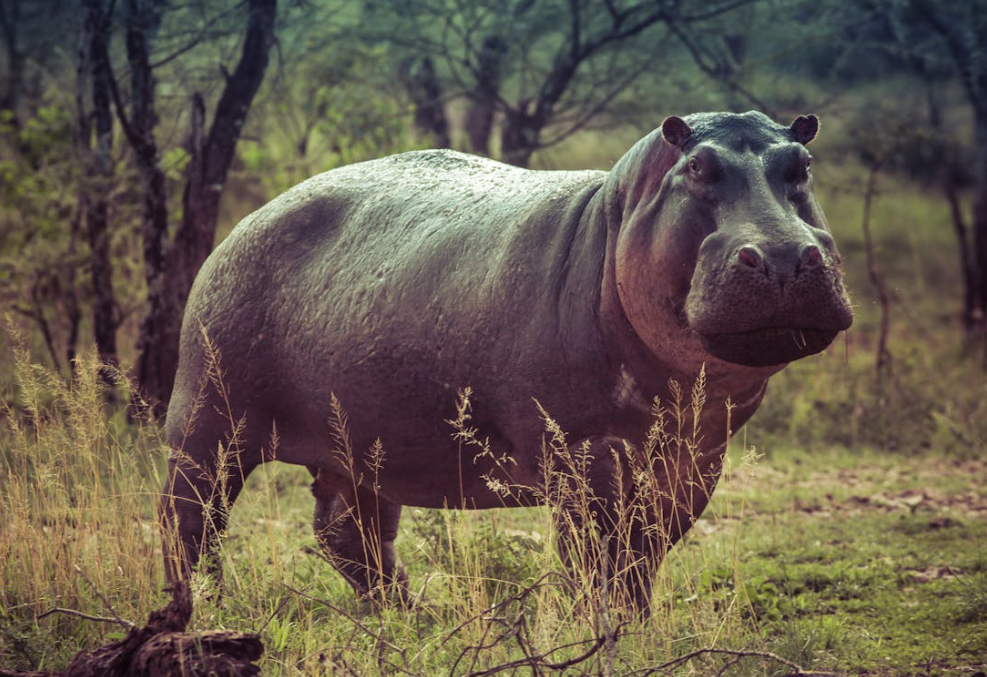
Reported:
(852, 561)
(849, 534)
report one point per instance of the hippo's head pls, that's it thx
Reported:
(722, 242)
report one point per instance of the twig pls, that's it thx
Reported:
(88, 617)
(102, 598)
(277, 610)
(487, 613)
(538, 660)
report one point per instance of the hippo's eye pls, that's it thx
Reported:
(800, 172)
(704, 168)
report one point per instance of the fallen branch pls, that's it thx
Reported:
(795, 670)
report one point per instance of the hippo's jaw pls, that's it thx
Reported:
(767, 347)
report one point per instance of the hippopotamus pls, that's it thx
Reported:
(350, 313)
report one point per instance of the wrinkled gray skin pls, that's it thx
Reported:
(395, 283)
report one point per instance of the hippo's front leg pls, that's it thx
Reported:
(618, 512)
(356, 529)
(603, 538)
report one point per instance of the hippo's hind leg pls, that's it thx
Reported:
(356, 529)
(194, 508)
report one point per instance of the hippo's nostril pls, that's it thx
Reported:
(751, 256)
(811, 256)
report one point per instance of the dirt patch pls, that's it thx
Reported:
(929, 574)
(949, 489)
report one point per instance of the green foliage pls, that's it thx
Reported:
(39, 183)
(335, 107)
(38, 171)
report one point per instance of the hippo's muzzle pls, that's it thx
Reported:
(767, 305)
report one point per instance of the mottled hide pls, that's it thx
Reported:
(395, 283)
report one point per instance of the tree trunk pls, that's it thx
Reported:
(980, 220)
(9, 18)
(882, 362)
(422, 84)
(480, 119)
(73, 315)
(519, 137)
(83, 133)
(141, 17)
(479, 124)
(969, 275)
(207, 172)
(949, 181)
(97, 214)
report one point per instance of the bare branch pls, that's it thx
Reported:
(713, 71)
(796, 669)
(102, 598)
(370, 633)
(195, 41)
(717, 11)
(86, 617)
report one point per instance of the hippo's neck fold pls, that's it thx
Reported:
(636, 185)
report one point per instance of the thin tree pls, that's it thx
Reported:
(171, 265)
(95, 28)
(962, 27)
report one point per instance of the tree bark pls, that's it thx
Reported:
(970, 281)
(950, 184)
(207, 173)
(154, 209)
(73, 315)
(96, 26)
(980, 221)
(82, 135)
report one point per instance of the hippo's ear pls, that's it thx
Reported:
(675, 130)
(805, 128)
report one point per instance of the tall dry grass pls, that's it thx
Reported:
(488, 593)
(77, 523)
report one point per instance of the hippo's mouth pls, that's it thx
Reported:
(767, 347)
